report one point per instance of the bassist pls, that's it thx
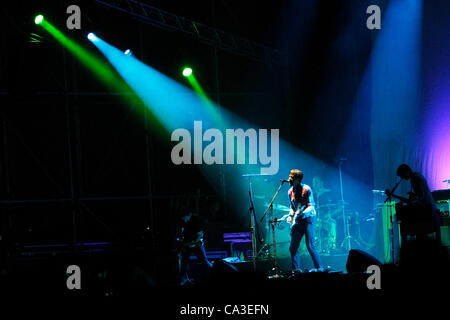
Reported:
(190, 242)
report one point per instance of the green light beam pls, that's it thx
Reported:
(212, 109)
(101, 69)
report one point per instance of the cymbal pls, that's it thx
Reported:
(339, 204)
(259, 197)
(279, 207)
(320, 191)
(327, 205)
(350, 213)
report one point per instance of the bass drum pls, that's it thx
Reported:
(325, 235)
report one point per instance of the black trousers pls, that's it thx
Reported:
(300, 228)
(199, 252)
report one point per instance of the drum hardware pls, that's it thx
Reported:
(278, 207)
(321, 191)
(273, 223)
(326, 235)
(347, 238)
(256, 238)
(262, 197)
(327, 205)
(389, 200)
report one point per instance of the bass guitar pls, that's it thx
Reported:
(182, 244)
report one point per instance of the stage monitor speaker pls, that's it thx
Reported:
(229, 276)
(358, 261)
(222, 269)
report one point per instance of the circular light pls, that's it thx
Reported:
(91, 36)
(187, 72)
(127, 52)
(39, 19)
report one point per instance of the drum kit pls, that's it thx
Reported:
(277, 237)
(328, 226)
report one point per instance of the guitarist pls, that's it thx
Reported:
(420, 206)
(190, 242)
(302, 218)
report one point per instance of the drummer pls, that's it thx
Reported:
(325, 223)
(320, 190)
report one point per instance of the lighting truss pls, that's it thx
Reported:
(206, 34)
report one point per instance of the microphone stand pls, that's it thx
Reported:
(347, 236)
(253, 225)
(252, 214)
(389, 198)
(272, 222)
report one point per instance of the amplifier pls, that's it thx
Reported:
(240, 244)
(445, 231)
(439, 195)
(443, 206)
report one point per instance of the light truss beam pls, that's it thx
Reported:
(206, 34)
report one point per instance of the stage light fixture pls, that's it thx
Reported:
(91, 36)
(38, 19)
(127, 52)
(187, 72)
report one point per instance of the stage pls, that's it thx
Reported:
(186, 149)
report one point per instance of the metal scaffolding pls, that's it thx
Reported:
(206, 34)
(79, 201)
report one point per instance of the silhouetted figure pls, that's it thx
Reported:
(190, 242)
(419, 216)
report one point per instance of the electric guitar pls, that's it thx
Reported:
(298, 215)
(402, 199)
(192, 244)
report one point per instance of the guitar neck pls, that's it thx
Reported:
(403, 199)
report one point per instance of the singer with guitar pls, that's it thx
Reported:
(302, 218)
(420, 207)
(190, 242)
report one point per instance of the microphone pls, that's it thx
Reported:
(283, 181)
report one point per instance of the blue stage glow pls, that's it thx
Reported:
(389, 92)
(178, 107)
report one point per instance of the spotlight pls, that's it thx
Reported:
(187, 72)
(92, 36)
(128, 52)
(38, 19)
